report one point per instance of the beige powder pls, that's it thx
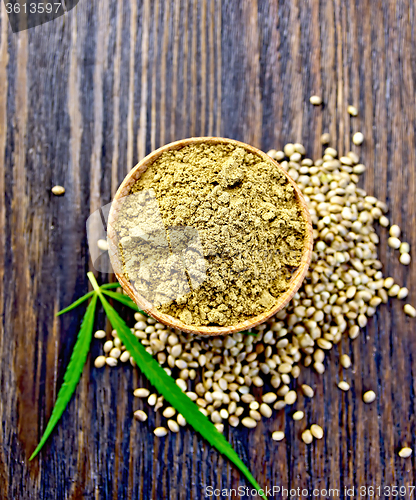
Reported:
(212, 234)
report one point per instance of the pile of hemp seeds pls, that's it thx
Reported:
(343, 288)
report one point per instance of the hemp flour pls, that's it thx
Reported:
(211, 234)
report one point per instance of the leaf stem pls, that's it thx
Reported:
(93, 281)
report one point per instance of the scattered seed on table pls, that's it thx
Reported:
(290, 397)
(331, 152)
(100, 334)
(160, 431)
(388, 283)
(324, 344)
(102, 245)
(352, 110)
(307, 437)
(410, 310)
(405, 452)
(219, 427)
(140, 415)
(151, 400)
(142, 392)
(404, 247)
(279, 405)
(394, 290)
(358, 138)
(269, 397)
(384, 221)
(233, 421)
(58, 190)
(278, 435)
(111, 361)
(255, 415)
(405, 259)
(108, 346)
(181, 384)
(344, 386)
(181, 420)
(403, 293)
(265, 410)
(249, 422)
(395, 231)
(307, 391)
(289, 149)
(325, 138)
(345, 361)
(115, 352)
(355, 158)
(224, 414)
(159, 403)
(315, 100)
(169, 412)
(299, 148)
(173, 425)
(298, 415)
(99, 362)
(394, 242)
(317, 431)
(125, 356)
(345, 287)
(362, 320)
(369, 397)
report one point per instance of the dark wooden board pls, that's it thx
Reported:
(82, 99)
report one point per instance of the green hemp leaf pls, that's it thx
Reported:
(156, 375)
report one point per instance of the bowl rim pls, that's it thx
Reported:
(294, 283)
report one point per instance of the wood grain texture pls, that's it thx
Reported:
(82, 100)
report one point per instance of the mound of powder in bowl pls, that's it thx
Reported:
(211, 234)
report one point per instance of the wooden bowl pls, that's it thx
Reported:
(294, 283)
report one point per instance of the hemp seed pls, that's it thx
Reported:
(410, 310)
(100, 334)
(315, 100)
(249, 422)
(352, 110)
(358, 138)
(369, 397)
(395, 231)
(405, 259)
(58, 190)
(345, 361)
(140, 415)
(298, 415)
(344, 386)
(160, 431)
(325, 138)
(405, 452)
(99, 361)
(141, 393)
(394, 242)
(308, 391)
(173, 425)
(307, 436)
(278, 435)
(317, 431)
